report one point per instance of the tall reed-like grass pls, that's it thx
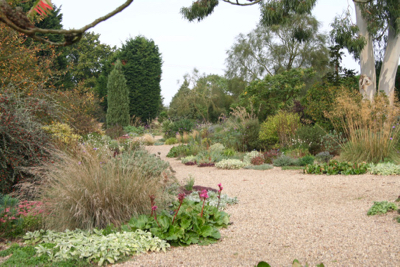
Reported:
(92, 188)
(372, 128)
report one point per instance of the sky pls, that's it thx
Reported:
(183, 45)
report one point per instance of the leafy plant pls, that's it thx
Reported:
(306, 160)
(386, 168)
(257, 160)
(93, 246)
(229, 152)
(213, 199)
(381, 208)
(332, 141)
(230, 164)
(135, 130)
(192, 224)
(334, 167)
(189, 159)
(217, 147)
(310, 137)
(270, 155)
(183, 150)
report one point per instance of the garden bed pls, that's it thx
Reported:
(283, 215)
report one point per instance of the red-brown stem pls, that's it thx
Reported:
(155, 218)
(180, 204)
(201, 214)
(219, 199)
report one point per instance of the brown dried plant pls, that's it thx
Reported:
(372, 128)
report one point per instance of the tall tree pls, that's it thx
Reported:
(142, 71)
(377, 21)
(276, 48)
(118, 98)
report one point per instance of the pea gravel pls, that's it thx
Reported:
(286, 215)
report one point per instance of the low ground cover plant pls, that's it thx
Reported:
(384, 168)
(334, 167)
(381, 208)
(230, 164)
(261, 167)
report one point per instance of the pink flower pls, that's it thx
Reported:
(204, 194)
(220, 187)
(154, 208)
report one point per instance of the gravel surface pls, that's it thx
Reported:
(287, 215)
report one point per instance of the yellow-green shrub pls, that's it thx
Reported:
(279, 128)
(62, 133)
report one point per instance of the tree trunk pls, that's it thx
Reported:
(390, 62)
(367, 80)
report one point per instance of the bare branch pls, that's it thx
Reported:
(71, 36)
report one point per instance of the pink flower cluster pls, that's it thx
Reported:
(203, 195)
(24, 209)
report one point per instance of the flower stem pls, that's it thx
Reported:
(201, 214)
(180, 204)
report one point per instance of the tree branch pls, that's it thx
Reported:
(236, 3)
(71, 36)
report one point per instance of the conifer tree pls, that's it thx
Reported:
(117, 97)
(142, 70)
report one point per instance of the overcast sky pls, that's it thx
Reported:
(183, 45)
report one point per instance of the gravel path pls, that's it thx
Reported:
(286, 215)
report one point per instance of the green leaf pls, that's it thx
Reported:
(263, 264)
(206, 231)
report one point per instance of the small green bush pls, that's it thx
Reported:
(230, 164)
(285, 161)
(381, 208)
(183, 151)
(250, 155)
(171, 141)
(324, 156)
(229, 152)
(251, 134)
(217, 147)
(306, 160)
(171, 128)
(332, 141)
(261, 167)
(386, 168)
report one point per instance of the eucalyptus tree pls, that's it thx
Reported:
(272, 49)
(377, 22)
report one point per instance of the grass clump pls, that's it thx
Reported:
(93, 188)
(370, 127)
(381, 208)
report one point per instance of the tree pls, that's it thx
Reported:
(377, 22)
(276, 48)
(87, 58)
(142, 69)
(118, 98)
(202, 97)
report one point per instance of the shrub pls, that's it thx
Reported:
(310, 138)
(94, 189)
(183, 151)
(306, 160)
(62, 134)
(187, 159)
(261, 167)
(371, 127)
(285, 161)
(279, 128)
(324, 156)
(134, 130)
(217, 147)
(170, 128)
(230, 164)
(148, 139)
(250, 155)
(171, 141)
(257, 160)
(387, 168)
(270, 155)
(251, 134)
(332, 141)
(115, 131)
(381, 208)
(23, 142)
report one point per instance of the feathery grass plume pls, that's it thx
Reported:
(372, 128)
(185, 138)
(92, 188)
(148, 139)
(178, 137)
